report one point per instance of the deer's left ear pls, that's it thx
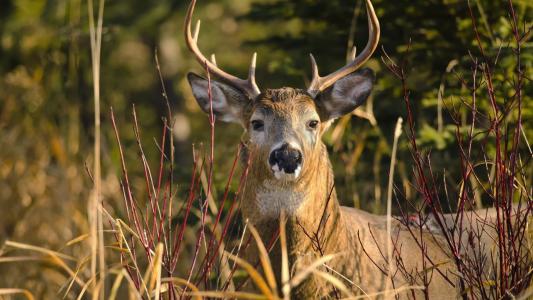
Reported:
(345, 95)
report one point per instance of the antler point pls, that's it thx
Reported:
(254, 60)
(197, 31)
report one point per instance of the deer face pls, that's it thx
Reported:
(284, 125)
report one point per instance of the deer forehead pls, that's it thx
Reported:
(287, 103)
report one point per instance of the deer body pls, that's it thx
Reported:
(312, 208)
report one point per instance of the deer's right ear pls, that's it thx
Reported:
(228, 102)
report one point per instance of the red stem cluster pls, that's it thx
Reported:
(153, 225)
(512, 264)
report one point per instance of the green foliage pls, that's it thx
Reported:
(429, 136)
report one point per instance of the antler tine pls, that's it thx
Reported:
(246, 85)
(197, 31)
(314, 68)
(251, 71)
(319, 84)
(353, 54)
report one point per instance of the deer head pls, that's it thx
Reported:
(284, 125)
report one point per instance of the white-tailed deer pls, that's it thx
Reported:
(291, 172)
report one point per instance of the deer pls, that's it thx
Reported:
(291, 173)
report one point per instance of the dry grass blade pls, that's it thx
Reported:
(390, 293)
(334, 281)
(78, 239)
(97, 290)
(254, 275)
(56, 257)
(84, 289)
(19, 259)
(38, 249)
(122, 224)
(184, 282)
(397, 133)
(24, 292)
(118, 249)
(134, 293)
(302, 275)
(116, 285)
(75, 276)
(265, 259)
(155, 278)
(285, 275)
(95, 211)
(122, 237)
(228, 295)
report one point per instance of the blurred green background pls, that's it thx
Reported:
(46, 106)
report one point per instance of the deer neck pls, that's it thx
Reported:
(314, 223)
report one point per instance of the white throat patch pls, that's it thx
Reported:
(271, 199)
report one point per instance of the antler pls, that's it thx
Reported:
(319, 84)
(245, 85)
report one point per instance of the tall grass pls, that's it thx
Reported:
(98, 266)
(397, 134)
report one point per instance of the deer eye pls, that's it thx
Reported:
(258, 125)
(312, 124)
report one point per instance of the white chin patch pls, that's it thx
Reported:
(281, 175)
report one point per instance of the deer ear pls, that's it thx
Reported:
(228, 102)
(346, 94)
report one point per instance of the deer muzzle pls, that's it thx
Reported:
(286, 162)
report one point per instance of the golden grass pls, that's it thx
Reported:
(98, 266)
(26, 293)
(397, 134)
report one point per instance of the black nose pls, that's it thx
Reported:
(286, 158)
